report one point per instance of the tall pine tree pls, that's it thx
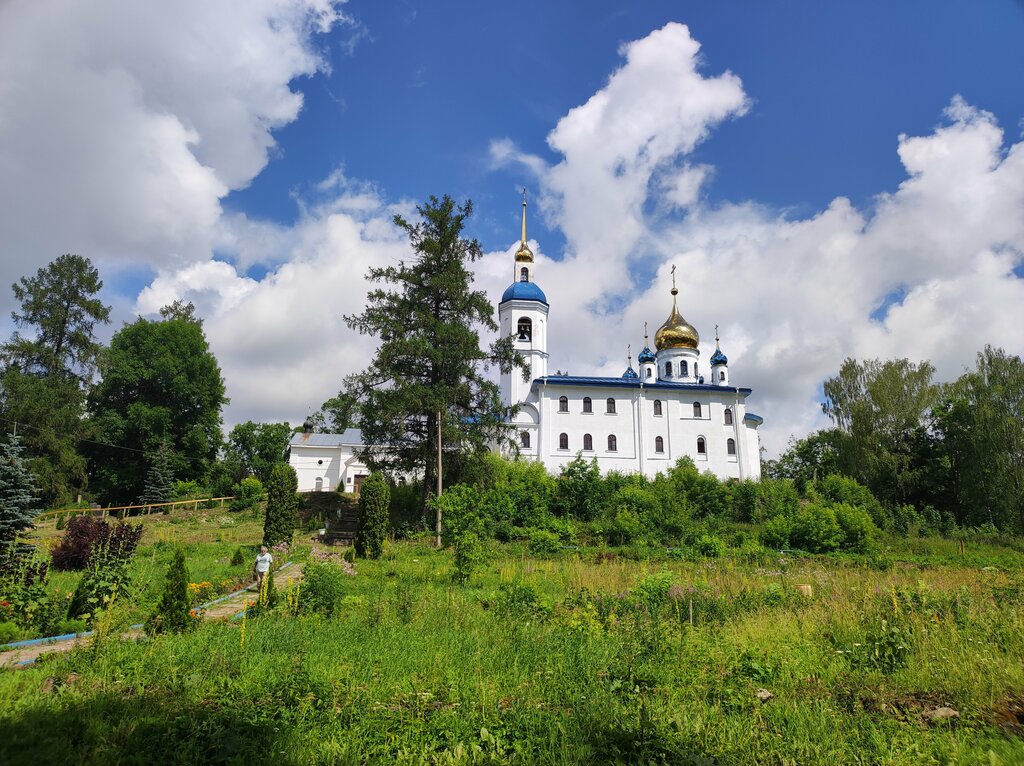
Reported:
(429, 363)
(17, 492)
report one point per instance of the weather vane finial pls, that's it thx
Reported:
(629, 353)
(645, 334)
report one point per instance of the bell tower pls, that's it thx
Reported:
(523, 314)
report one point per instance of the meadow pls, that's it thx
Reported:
(587, 655)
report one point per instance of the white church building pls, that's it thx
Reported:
(643, 421)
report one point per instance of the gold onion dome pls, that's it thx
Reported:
(676, 332)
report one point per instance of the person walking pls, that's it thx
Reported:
(263, 563)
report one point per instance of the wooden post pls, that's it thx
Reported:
(438, 505)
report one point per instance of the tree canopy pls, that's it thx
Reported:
(253, 449)
(47, 369)
(161, 384)
(429, 362)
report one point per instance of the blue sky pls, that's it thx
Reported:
(415, 103)
(829, 179)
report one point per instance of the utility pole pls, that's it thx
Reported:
(438, 505)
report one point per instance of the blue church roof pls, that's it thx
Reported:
(524, 291)
(630, 373)
(719, 358)
(646, 355)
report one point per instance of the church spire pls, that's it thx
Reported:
(524, 254)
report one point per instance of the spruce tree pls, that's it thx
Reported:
(429, 361)
(372, 519)
(160, 478)
(17, 492)
(282, 503)
(172, 614)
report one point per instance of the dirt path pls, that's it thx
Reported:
(222, 610)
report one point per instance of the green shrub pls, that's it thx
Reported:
(323, 588)
(238, 559)
(62, 519)
(543, 542)
(622, 527)
(372, 519)
(469, 554)
(282, 503)
(776, 532)
(815, 529)
(519, 599)
(744, 500)
(859, 532)
(653, 589)
(172, 613)
(188, 490)
(248, 494)
(9, 632)
(776, 497)
(835, 489)
(460, 512)
(579, 489)
(709, 546)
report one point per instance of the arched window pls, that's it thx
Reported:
(588, 442)
(610, 406)
(525, 328)
(563, 404)
(696, 409)
(524, 439)
(659, 444)
(730, 446)
(648, 373)
(588, 406)
(524, 274)
(612, 444)
(683, 369)
(657, 406)
(702, 448)
(563, 441)
(668, 369)
(728, 416)
(319, 483)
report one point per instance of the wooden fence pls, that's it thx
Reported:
(143, 510)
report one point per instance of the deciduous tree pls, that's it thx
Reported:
(161, 385)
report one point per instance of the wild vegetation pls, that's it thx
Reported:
(592, 655)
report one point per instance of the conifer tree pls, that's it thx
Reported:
(172, 614)
(160, 478)
(372, 519)
(282, 503)
(429, 363)
(17, 492)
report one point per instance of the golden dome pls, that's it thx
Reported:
(524, 254)
(676, 332)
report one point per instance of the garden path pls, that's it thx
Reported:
(222, 610)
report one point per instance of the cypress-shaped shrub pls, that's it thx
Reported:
(372, 519)
(282, 503)
(172, 613)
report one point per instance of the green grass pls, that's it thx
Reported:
(417, 670)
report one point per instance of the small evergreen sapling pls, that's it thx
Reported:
(18, 491)
(372, 519)
(238, 559)
(160, 478)
(172, 614)
(282, 503)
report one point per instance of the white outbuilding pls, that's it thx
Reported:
(323, 462)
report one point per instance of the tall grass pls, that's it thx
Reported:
(579, 662)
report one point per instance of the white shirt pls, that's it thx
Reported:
(263, 562)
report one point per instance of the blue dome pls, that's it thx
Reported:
(524, 291)
(719, 358)
(646, 356)
(630, 373)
